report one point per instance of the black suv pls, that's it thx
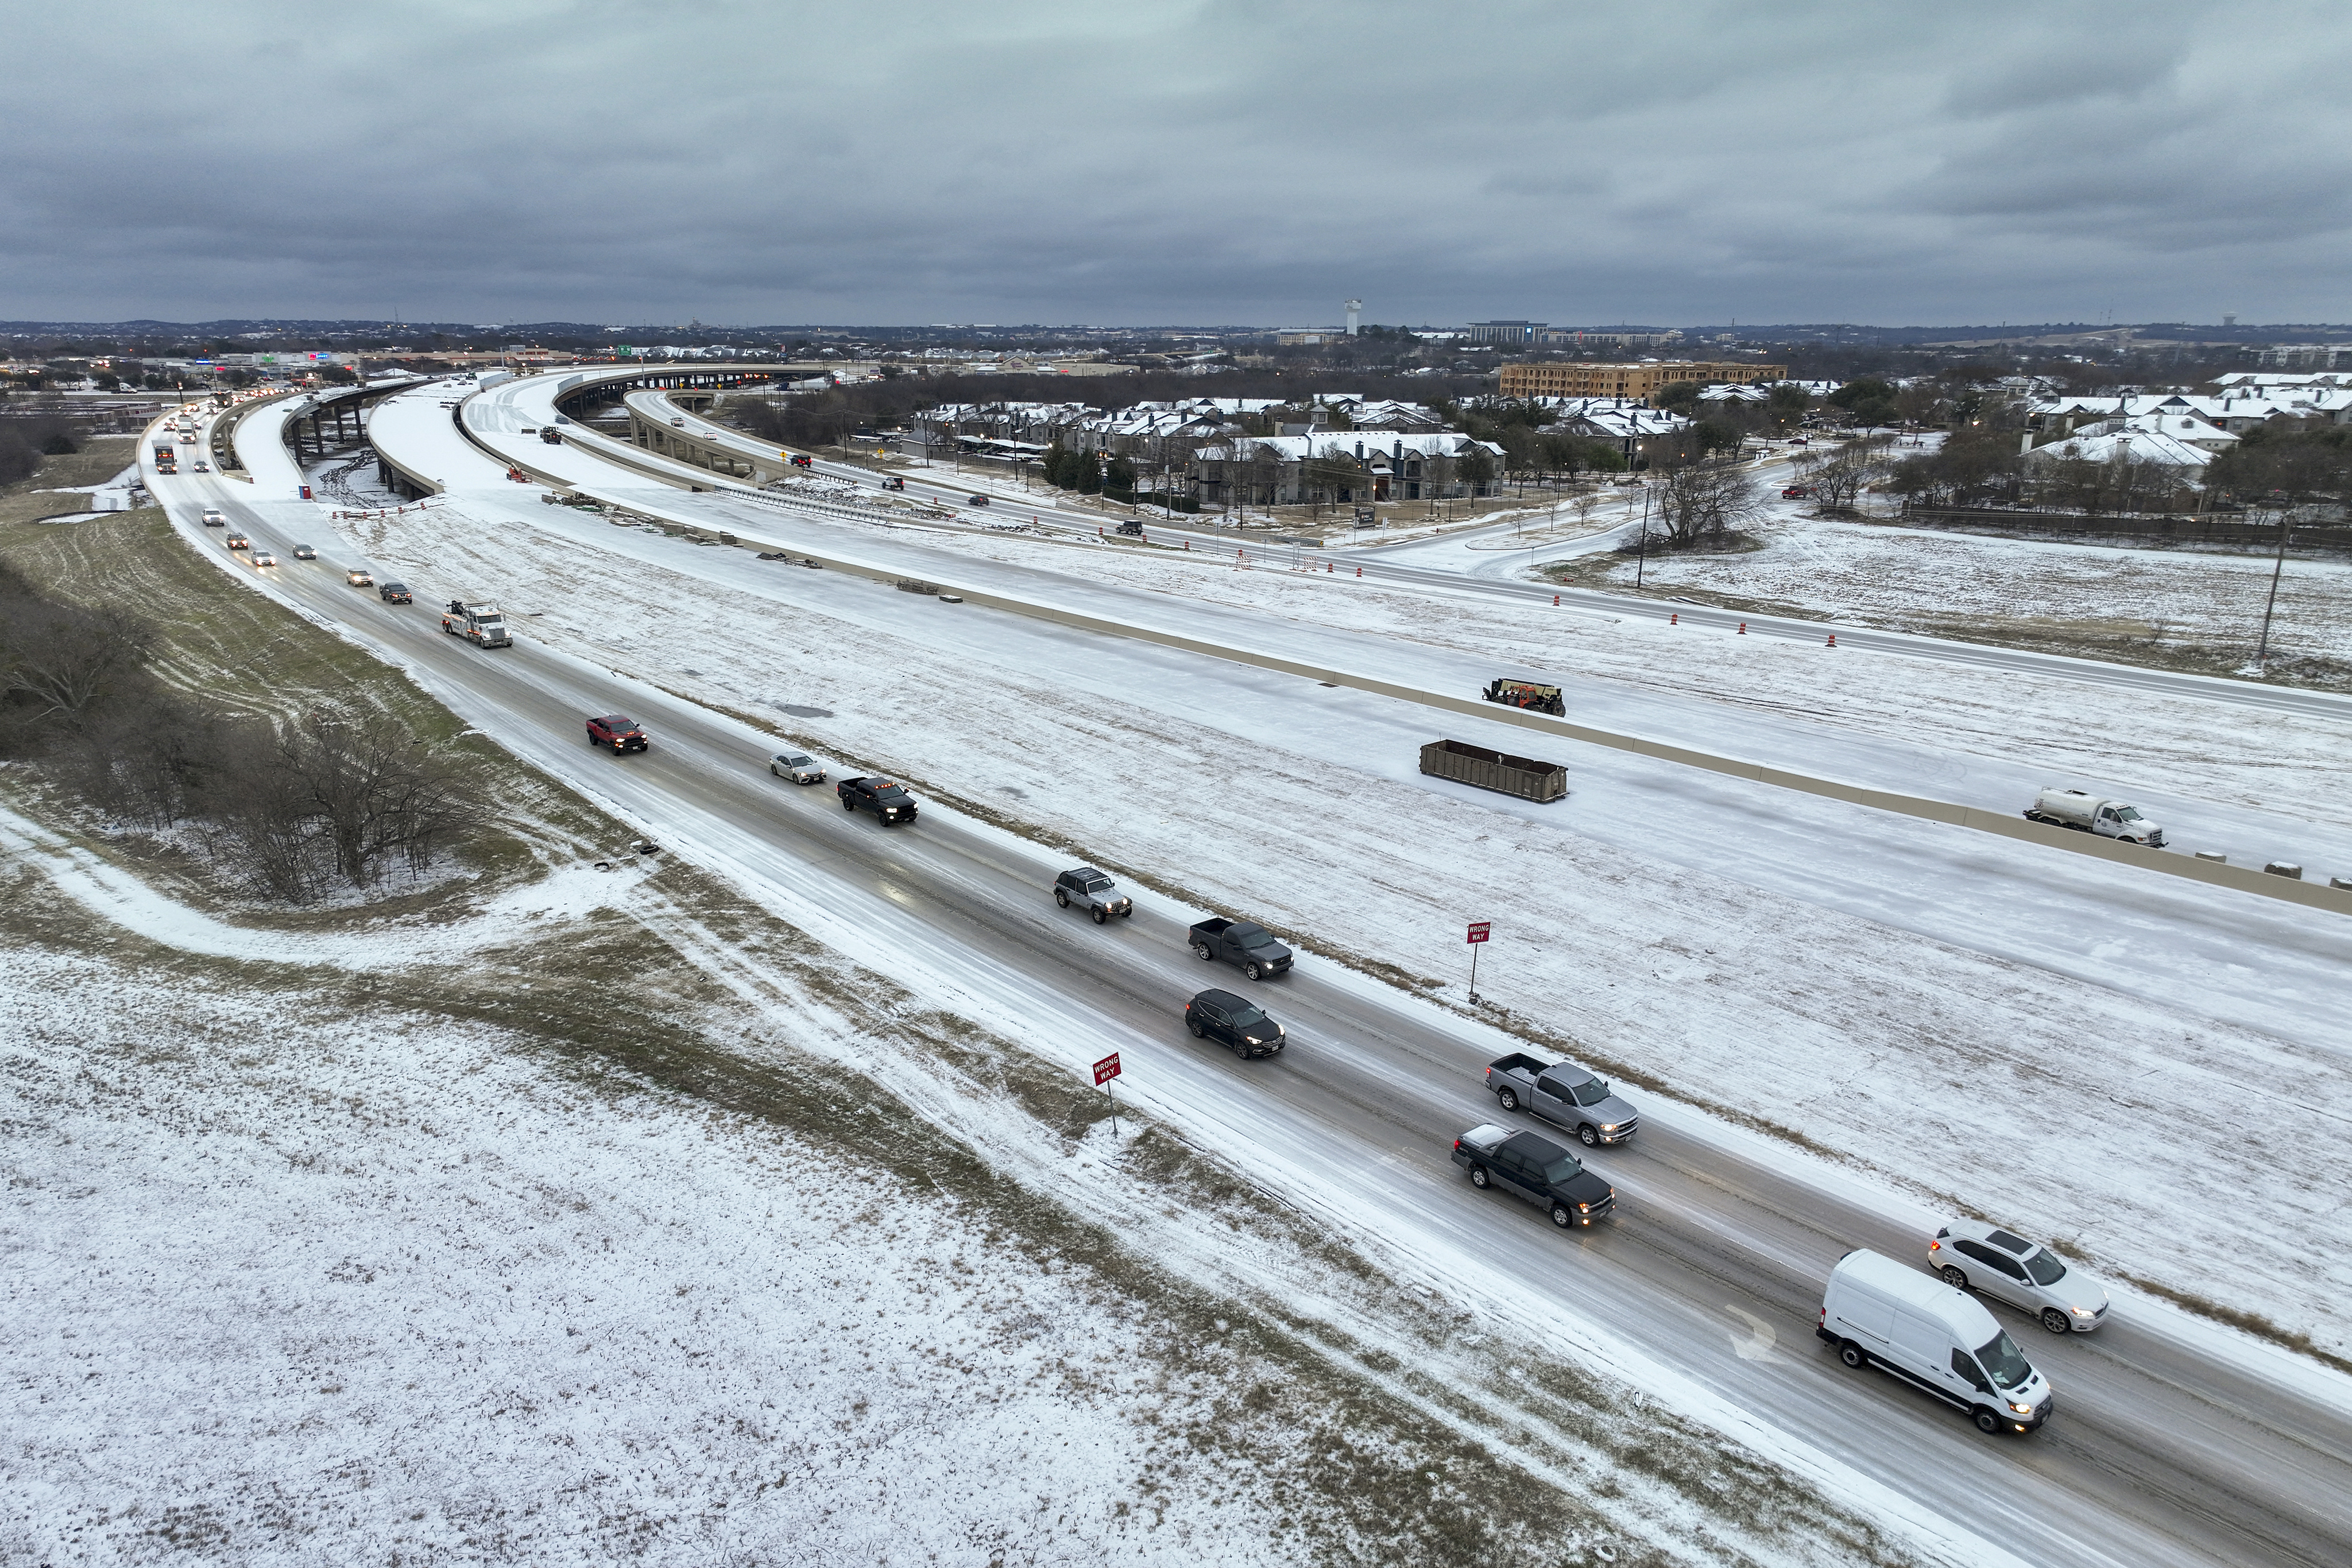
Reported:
(1094, 891)
(620, 733)
(394, 593)
(1235, 1021)
(1534, 1168)
(886, 797)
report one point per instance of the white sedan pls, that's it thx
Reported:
(1971, 1255)
(797, 766)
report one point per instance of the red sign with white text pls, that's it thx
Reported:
(1107, 1068)
(1478, 932)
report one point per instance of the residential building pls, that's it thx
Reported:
(1638, 379)
(2126, 446)
(1624, 421)
(2310, 356)
(2240, 407)
(1280, 470)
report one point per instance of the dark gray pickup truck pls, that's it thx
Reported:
(1565, 1093)
(1252, 947)
(1533, 1168)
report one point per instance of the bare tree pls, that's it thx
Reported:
(376, 791)
(1703, 504)
(64, 657)
(1837, 478)
(1330, 471)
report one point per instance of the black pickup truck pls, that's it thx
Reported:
(1537, 1170)
(1252, 947)
(886, 797)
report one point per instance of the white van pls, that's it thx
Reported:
(1878, 1312)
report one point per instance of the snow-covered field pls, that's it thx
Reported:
(1934, 580)
(350, 1288)
(1909, 1054)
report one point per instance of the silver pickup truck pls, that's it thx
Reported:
(1565, 1093)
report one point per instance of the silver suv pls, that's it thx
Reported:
(1972, 1254)
(1092, 890)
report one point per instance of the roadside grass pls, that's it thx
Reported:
(245, 653)
(101, 459)
(1438, 1461)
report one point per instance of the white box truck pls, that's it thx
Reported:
(1879, 1313)
(2088, 813)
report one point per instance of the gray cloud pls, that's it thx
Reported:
(1173, 161)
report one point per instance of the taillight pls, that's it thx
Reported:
(1457, 1146)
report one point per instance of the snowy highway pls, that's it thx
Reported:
(2173, 1444)
(1467, 560)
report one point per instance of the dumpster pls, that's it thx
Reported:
(1520, 775)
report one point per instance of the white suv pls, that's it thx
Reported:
(1970, 1255)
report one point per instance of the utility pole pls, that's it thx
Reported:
(2262, 652)
(1641, 550)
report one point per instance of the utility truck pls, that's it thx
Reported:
(2088, 813)
(1527, 694)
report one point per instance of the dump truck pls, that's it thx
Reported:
(484, 625)
(1521, 776)
(1526, 694)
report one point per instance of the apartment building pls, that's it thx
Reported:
(1641, 378)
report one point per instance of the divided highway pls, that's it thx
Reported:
(1448, 563)
(2161, 1453)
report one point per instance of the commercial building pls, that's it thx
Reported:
(1514, 333)
(1641, 378)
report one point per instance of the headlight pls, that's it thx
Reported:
(2083, 1312)
(1610, 1128)
(2021, 1409)
(1584, 1209)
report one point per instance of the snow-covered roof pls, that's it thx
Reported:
(2137, 445)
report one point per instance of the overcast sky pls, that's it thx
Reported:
(1140, 163)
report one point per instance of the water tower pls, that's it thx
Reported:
(1355, 309)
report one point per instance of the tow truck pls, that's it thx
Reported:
(484, 625)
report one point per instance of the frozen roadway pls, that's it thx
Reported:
(2172, 1443)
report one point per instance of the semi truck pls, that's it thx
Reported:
(2087, 813)
(484, 625)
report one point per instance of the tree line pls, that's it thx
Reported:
(25, 441)
(290, 811)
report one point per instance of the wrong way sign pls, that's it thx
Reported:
(1107, 1068)
(1478, 932)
